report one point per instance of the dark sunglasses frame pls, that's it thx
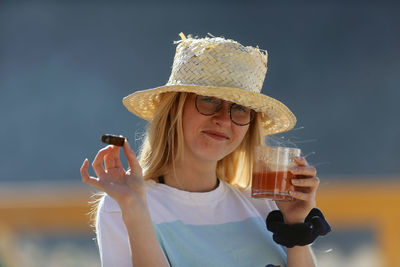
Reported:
(252, 112)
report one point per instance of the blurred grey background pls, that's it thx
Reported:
(66, 65)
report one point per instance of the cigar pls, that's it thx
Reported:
(116, 140)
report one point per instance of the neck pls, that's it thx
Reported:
(199, 177)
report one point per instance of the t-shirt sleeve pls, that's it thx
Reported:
(112, 237)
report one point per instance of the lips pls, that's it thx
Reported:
(216, 135)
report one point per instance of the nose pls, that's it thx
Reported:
(222, 117)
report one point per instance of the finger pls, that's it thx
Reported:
(304, 171)
(117, 161)
(86, 178)
(301, 161)
(306, 182)
(302, 195)
(112, 160)
(98, 161)
(109, 159)
(132, 160)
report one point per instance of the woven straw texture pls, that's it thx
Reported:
(220, 68)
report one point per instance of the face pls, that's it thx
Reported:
(209, 138)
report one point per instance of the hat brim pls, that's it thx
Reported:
(276, 117)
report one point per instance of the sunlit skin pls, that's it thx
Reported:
(202, 133)
(207, 139)
(203, 148)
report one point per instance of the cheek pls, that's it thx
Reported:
(188, 130)
(190, 125)
(239, 136)
(241, 133)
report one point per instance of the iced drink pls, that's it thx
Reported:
(271, 177)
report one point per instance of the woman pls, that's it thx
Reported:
(185, 202)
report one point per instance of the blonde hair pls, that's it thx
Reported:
(163, 144)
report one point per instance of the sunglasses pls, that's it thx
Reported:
(208, 106)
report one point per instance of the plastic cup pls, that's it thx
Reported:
(271, 177)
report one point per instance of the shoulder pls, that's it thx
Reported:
(108, 215)
(108, 205)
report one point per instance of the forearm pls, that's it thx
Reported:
(300, 256)
(145, 249)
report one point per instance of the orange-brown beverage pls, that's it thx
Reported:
(271, 177)
(273, 184)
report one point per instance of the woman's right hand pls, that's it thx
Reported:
(123, 186)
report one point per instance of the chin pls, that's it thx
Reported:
(214, 155)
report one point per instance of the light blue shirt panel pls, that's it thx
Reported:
(242, 243)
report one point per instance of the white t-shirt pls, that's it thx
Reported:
(223, 227)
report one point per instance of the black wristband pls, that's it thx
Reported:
(299, 234)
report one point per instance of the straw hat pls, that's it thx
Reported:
(221, 68)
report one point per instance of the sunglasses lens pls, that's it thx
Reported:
(241, 115)
(208, 106)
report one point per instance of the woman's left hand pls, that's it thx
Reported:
(306, 184)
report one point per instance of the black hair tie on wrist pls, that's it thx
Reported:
(299, 234)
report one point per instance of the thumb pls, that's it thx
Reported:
(131, 157)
